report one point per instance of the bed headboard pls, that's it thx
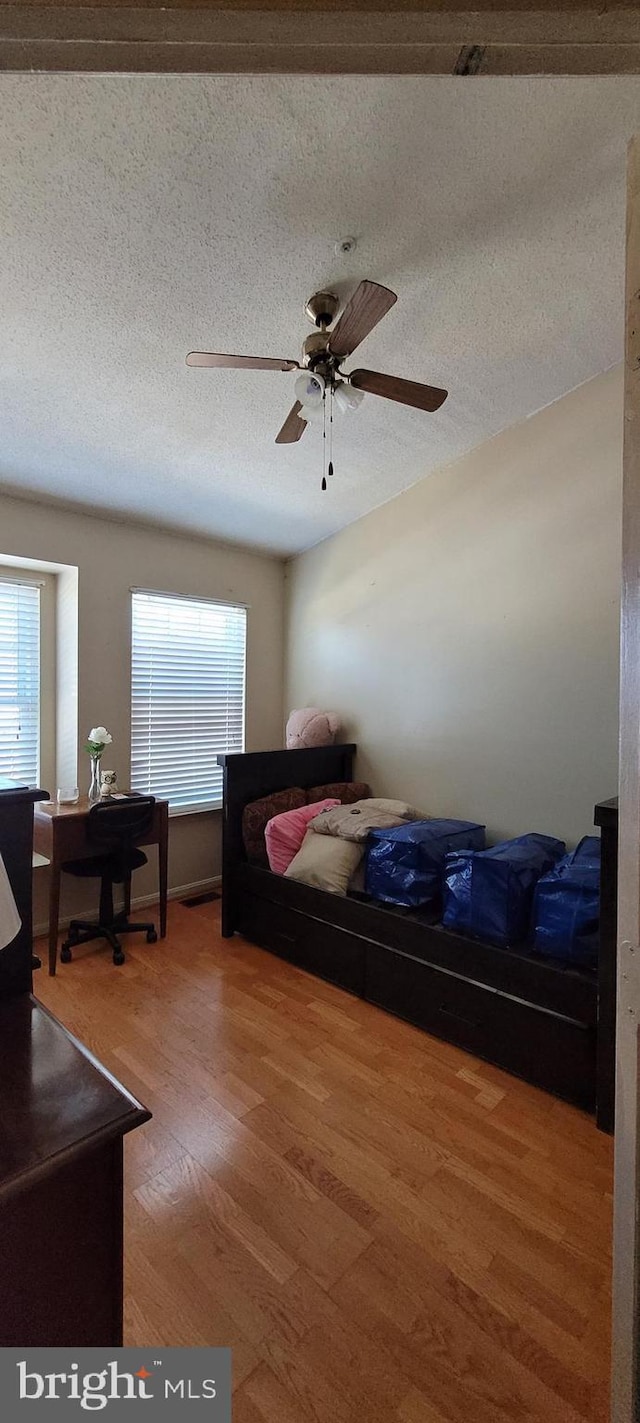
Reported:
(248, 775)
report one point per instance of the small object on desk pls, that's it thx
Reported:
(97, 741)
(108, 784)
(67, 795)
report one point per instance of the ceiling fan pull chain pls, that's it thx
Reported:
(324, 440)
(330, 470)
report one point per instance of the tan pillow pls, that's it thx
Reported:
(398, 807)
(325, 862)
(357, 881)
(353, 822)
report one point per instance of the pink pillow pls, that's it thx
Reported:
(284, 833)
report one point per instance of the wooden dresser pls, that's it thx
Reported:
(62, 1123)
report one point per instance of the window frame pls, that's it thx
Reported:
(46, 583)
(195, 807)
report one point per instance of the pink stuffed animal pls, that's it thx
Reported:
(311, 727)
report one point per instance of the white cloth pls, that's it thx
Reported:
(10, 921)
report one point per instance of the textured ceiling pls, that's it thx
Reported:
(143, 217)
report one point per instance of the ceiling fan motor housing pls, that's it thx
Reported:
(322, 308)
(316, 355)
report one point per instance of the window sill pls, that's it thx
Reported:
(179, 810)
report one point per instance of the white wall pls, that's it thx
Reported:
(111, 558)
(468, 630)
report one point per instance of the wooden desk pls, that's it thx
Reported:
(60, 833)
(63, 1120)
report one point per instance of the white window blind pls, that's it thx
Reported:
(19, 682)
(187, 696)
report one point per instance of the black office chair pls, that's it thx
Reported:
(115, 826)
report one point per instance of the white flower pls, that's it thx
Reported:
(100, 735)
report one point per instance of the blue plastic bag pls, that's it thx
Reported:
(405, 865)
(567, 906)
(488, 894)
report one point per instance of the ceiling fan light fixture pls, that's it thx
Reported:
(309, 389)
(347, 398)
(313, 413)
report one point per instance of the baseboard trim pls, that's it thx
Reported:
(180, 891)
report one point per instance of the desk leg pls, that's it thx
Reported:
(54, 913)
(163, 851)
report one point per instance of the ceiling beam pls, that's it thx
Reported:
(287, 37)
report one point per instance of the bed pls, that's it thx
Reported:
(530, 1016)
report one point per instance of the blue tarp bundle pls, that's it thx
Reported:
(405, 865)
(567, 906)
(488, 894)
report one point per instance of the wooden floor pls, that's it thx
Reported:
(382, 1227)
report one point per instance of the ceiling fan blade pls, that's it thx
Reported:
(245, 363)
(369, 303)
(407, 392)
(293, 428)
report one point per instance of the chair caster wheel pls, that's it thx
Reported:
(118, 957)
(152, 937)
(65, 954)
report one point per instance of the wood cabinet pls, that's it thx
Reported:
(62, 1123)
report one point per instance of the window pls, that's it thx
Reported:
(20, 681)
(187, 696)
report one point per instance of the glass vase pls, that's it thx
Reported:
(94, 788)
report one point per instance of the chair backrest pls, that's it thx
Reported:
(117, 824)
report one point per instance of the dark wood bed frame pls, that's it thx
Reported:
(526, 1014)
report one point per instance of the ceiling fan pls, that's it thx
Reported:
(322, 357)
